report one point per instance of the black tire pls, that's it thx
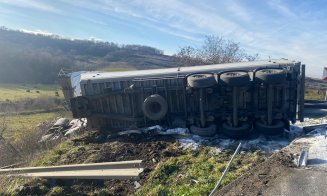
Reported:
(236, 132)
(235, 78)
(201, 80)
(209, 131)
(271, 76)
(276, 128)
(155, 107)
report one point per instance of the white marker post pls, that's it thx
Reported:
(324, 77)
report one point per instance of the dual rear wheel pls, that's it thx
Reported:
(241, 131)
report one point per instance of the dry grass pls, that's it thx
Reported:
(18, 125)
(15, 92)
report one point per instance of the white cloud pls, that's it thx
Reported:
(95, 39)
(36, 32)
(238, 10)
(31, 4)
(281, 8)
(289, 35)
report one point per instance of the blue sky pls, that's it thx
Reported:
(279, 29)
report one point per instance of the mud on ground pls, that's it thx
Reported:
(100, 148)
(260, 177)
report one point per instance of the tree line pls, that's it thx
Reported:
(30, 58)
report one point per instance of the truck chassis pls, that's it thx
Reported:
(231, 98)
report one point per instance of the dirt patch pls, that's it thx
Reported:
(259, 178)
(99, 148)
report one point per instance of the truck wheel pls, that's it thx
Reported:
(276, 128)
(236, 132)
(271, 76)
(206, 131)
(235, 78)
(155, 107)
(201, 80)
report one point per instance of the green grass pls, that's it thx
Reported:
(116, 69)
(310, 94)
(196, 175)
(53, 156)
(8, 186)
(117, 66)
(15, 92)
(18, 125)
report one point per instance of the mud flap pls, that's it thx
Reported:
(301, 91)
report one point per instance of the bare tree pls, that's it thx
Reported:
(215, 50)
(189, 56)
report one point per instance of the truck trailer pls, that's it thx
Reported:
(233, 99)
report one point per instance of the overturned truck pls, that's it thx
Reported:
(230, 98)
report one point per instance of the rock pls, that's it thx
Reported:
(21, 188)
(137, 185)
(195, 181)
(62, 122)
(46, 137)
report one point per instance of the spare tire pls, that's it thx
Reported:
(206, 131)
(201, 80)
(276, 128)
(155, 107)
(271, 76)
(236, 132)
(235, 78)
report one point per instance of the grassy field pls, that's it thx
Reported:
(196, 174)
(22, 123)
(18, 124)
(117, 66)
(14, 92)
(311, 94)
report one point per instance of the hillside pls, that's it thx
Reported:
(31, 58)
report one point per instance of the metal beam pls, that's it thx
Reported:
(107, 170)
(119, 174)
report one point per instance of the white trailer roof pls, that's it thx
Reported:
(127, 75)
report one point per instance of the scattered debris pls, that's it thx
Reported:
(76, 125)
(175, 131)
(302, 162)
(157, 130)
(195, 181)
(63, 128)
(192, 143)
(137, 185)
(61, 122)
(130, 132)
(152, 129)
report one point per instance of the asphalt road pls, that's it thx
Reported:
(300, 182)
(279, 176)
(311, 181)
